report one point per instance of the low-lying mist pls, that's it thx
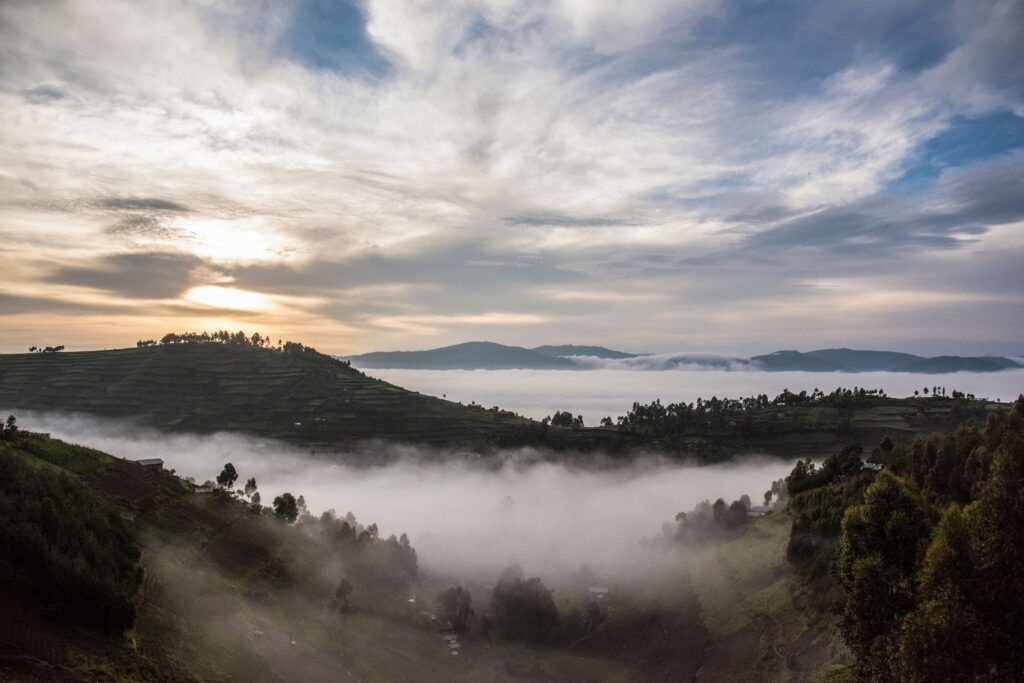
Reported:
(465, 518)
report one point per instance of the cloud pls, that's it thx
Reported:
(154, 204)
(440, 159)
(154, 275)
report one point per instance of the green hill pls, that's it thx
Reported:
(306, 398)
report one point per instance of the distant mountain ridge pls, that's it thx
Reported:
(564, 350)
(852, 360)
(482, 355)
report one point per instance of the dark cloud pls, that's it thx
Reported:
(43, 93)
(965, 202)
(145, 226)
(11, 304)
(459, 266)
(153, 275)
(142, 204)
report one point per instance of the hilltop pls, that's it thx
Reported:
(305, 397)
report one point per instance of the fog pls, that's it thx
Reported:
(465, 518)
(611, 392)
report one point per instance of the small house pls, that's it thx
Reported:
(151, 464)
(871, 467)
(202, 489)
(758, 510)
(599, 592)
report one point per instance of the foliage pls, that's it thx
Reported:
(227, 476)
(286, 508)
(677, 418)
(930, 562)
(66, 544)
(523, 608)
(46, 349)
(455, 606)
(9, 429)
(563, 418)
(342, 594)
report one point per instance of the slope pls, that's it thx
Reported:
(305, 398)
(468, 356)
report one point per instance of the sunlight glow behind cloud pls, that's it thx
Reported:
(572, 171)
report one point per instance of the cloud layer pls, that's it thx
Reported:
(703, 173)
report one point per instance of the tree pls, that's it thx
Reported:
(880, 550)
(523, 609)
(227, 476)
(454, 605)
(342, 594)
(285, 507)
(250, 486)
(256, 501)
(10, 427)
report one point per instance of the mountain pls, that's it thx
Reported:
(468, 356)
(574, 350)
(943, 364)
(851, 360)
(307, 398)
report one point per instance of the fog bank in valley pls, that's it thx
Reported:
(464, 518)
(611, 392)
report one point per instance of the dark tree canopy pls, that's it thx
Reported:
(523, 608)
(286, 508)
(455, 606)
(227, 476)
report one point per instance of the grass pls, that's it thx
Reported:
(749, 598)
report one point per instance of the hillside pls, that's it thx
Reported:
(316, 401)
(218, 591)
(468, 356)
(575, 350)
(851, 360)
(305, 398)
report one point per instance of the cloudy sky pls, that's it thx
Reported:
(653, 175)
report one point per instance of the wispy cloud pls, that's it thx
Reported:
(493, 158)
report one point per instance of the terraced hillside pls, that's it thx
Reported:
(306, 398)
(317, 401)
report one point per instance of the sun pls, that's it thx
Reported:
(216, 296)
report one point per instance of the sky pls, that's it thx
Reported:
(734, 175)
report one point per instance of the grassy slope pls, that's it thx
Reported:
(212, 387)
(751, 602)
(212, 608)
